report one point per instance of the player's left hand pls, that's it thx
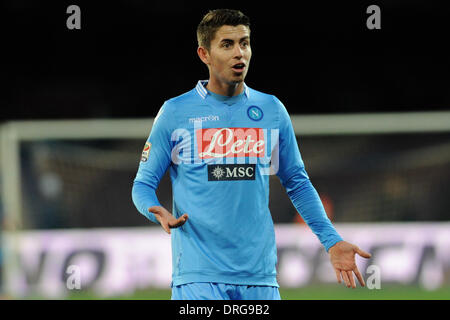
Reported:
(342, 256)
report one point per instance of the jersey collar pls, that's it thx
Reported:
(201, 90)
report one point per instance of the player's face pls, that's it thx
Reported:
(230, 53)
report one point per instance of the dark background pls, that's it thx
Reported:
(316, 57)
(130, 56)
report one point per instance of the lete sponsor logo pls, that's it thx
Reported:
(230, 142)
(227, 146)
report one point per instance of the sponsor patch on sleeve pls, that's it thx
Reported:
(146, 151)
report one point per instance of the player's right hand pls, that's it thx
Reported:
(166, 219)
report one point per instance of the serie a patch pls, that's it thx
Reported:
(146, 151)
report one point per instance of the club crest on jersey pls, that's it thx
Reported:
(255, 113)
(146, 151)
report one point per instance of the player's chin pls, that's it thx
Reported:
(238, 76)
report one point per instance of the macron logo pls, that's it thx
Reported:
(202, 119)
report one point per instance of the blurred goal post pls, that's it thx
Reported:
(13, 133)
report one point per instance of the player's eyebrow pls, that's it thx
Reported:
(231, 40)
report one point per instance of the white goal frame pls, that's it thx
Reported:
(14, 132)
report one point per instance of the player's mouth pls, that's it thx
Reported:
(238, 67)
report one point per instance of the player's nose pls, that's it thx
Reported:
(238, 52)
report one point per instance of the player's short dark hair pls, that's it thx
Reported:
(215, 19)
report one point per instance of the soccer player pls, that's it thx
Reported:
(220, 141)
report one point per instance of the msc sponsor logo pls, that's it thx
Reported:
(221, 172)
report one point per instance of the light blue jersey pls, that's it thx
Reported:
(220, 152)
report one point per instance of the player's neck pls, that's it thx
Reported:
(225, 89)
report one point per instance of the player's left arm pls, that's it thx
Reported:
(294, 178)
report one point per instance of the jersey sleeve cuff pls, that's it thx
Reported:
(331, 242)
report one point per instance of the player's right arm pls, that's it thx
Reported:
(155, 159)
(306, 200)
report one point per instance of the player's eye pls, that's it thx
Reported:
(227, 44)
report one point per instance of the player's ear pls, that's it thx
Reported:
(203, 54)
